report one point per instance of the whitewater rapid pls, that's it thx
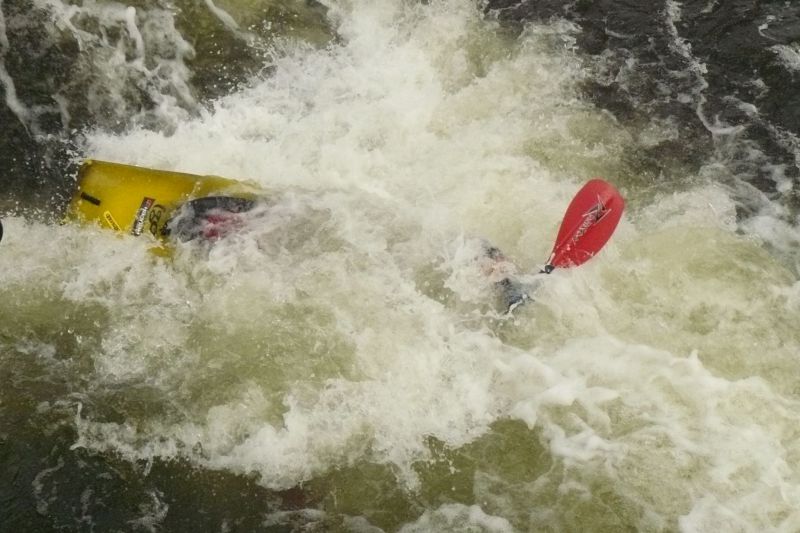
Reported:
(345, 338)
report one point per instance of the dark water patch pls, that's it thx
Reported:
(378, 493)
(47, 485)
(735, 39)
(710, 66)
(224, 59)
(34, 154)
(36, 176)
(76, 490)
(512, 451)
(369, 490)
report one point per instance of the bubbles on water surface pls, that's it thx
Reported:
(341, 342)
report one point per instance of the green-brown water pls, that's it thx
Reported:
(338, 365)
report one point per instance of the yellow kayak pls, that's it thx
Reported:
(144, 201)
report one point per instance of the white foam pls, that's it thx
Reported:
(412, 147)
(343, 326)
(789, 55)
(457, 517)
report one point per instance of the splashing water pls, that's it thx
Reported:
(343, 344)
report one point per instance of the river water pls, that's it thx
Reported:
(339, 365)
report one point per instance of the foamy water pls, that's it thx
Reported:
(347, 329)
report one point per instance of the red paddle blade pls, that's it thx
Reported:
(591, 218)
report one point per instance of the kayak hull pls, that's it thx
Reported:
(141, 201)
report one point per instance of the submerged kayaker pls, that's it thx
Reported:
(503, 274)
(214, 217)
